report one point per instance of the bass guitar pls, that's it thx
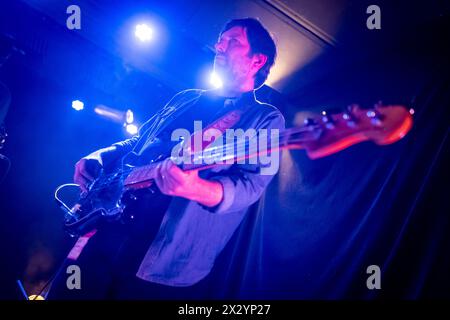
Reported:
(320, 136)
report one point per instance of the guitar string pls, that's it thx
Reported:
(232, 145)
(105, 180)
(240, 147)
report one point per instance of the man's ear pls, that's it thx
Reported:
(259, 60)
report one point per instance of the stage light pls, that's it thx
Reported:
(143, 32)
(110, 113)
(215, 80)
(129, 116)
(131, 128)
(77, 105)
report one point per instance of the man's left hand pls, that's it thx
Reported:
(173, 181)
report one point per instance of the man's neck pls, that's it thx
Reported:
(234, 92)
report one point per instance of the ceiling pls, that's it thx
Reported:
(307, 32)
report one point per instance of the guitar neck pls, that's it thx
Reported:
(320, 136)
(237, 152)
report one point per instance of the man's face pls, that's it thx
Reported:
(234, 62)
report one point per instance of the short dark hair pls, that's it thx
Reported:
(260, 41)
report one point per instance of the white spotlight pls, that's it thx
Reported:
(132, 129)
(129, 116)
(143, 32)
(78, 105)
(215, 80)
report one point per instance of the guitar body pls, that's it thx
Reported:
(110, 200)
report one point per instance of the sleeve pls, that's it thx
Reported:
(243, 185)
(121, 148)
(117, 150)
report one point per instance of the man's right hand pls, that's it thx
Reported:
(86, 170)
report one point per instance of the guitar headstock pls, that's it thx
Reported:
(381, 124)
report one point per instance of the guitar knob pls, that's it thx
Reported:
(132, 197)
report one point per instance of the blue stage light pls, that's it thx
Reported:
(78, 105)
(215, 80)
(143, 32)
(129, 117)
(131, 128)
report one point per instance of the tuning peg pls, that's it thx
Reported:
(349, 118)
(309, 122)
(374, 116)
(327, 120)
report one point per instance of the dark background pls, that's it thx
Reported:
(319, 224)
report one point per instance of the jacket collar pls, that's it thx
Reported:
(246, 99)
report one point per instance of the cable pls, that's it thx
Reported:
(62, 204)
(49, 282)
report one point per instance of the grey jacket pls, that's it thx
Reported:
(191, 236)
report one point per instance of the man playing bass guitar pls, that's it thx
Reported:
(169, 249)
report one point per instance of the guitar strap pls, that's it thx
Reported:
(225, 122)
(80, 244)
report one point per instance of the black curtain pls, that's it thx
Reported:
(323, 222)
(320, 223)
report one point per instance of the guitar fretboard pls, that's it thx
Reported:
(229, 153)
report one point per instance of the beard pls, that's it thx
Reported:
(222, 70)
(228, 73)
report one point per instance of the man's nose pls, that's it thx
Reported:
(220, 47)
